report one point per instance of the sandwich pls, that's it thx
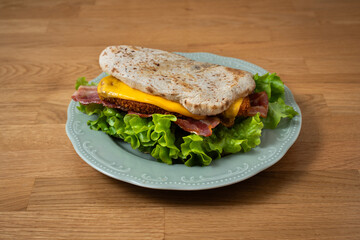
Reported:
(180, 110)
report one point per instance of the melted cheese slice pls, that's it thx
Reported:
(113, 88)
(233, 110)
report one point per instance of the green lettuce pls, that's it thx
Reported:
(156, 135)
(82, 82)
(244, 135)
(153, 135)
(274, 88)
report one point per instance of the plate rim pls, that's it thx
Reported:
(147, 183)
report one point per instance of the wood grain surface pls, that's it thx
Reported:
(48, 192)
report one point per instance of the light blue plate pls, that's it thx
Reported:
(116, 158)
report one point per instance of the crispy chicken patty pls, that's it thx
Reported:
(139, 107)
(146, 108)
(245, 105)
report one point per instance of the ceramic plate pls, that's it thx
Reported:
(116, 158)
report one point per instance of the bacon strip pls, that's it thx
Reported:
(259, 103)
(86, 95)
(200, 127)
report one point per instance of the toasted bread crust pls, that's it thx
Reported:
(202, 88)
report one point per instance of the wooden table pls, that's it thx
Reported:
(48, 192)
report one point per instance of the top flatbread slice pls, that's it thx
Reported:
(202, 88)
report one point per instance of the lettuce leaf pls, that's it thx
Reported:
(82, 82)
(150, 135)
(277, 111)
(271, 84)
(165, 149)
(274, 88)
(156, 135)
(244, 135)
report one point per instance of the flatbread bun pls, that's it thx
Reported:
(202, 88)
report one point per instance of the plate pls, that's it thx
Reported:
(118, 160)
